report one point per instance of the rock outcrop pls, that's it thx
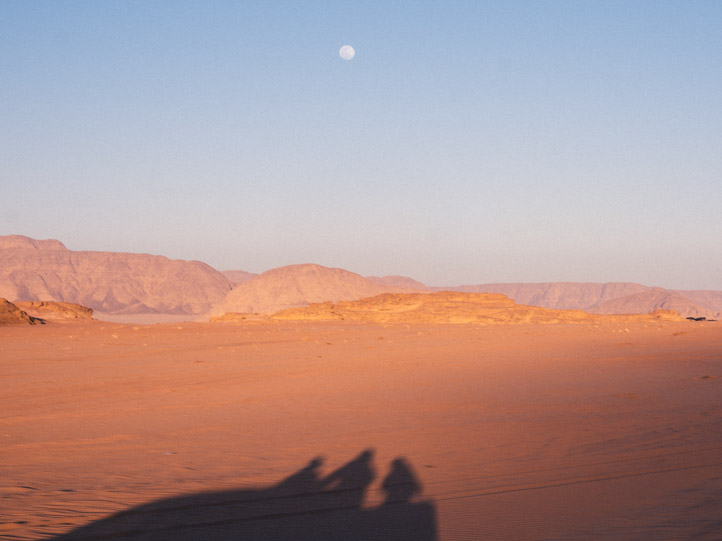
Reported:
(55, 310)
(454, 307)
(110, 282)
(12, 315)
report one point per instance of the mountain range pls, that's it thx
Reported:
(126, 283)
(109, 282)
(299, 285)
(605, 298)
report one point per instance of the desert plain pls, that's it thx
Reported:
(224, 430)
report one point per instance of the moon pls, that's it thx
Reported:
(346, 52)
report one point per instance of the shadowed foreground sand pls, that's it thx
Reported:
(209, 431)
(302, 507)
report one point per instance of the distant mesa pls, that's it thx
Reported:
(454, 307)
(299, 285)
(10, 314)
(653, 299)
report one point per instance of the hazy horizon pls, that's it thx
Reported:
(464, 143)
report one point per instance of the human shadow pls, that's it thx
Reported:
(303, 507)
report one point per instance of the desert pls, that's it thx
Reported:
(360, 271)
(310, 402)
(601, 430)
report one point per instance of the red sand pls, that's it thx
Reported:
(516, 432)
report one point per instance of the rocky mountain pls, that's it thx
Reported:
(12, 315)
(298, 285)
(454, 307)
(110, 282)
(558, 295)
(653, 299)
(710, 300)
(605, 298)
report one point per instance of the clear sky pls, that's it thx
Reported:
(466, 142)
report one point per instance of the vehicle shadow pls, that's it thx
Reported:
(302, 507)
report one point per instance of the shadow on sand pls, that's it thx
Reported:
(302, 507)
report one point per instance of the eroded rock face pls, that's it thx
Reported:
(298, 285)
(110, 282)
(55, 310)
(12, 315)
(454, 307)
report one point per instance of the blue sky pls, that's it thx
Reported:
(466, 142)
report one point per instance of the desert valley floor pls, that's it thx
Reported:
(567, 431)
